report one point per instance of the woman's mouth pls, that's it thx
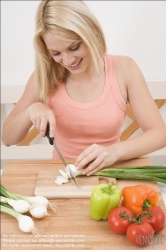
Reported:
(76, 65)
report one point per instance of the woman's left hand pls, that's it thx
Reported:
(96, 157)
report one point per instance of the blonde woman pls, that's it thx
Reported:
(82, 92)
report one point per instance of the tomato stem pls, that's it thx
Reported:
(124, 215)
(148, 214)
(138, 218)
(146, 204)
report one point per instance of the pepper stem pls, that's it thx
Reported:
(107, 189)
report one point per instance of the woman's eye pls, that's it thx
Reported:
(56, 54)
(75, 48)
(71, 49)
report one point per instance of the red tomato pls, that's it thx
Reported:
(140, 234)
(157, 220)
(117, 222)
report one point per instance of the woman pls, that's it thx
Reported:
(82, 92)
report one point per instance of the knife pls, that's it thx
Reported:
(67, 167)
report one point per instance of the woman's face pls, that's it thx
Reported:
(73, 55)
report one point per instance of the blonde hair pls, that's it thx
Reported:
(70, 20)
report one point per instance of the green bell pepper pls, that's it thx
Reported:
(104, 198)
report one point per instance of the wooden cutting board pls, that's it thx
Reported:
(47, 187)
(45, 184)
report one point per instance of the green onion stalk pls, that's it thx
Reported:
(17, 200)
(151, 173)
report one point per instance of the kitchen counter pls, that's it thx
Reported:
(72, 227)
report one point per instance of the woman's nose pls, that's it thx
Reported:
(67, 60)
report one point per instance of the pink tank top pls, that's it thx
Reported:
(78, 124)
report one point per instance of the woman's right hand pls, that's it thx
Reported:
(41, 115)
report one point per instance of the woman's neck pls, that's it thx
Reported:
(85, 87)
(87, 76)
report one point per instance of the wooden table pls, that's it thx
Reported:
(73, 228)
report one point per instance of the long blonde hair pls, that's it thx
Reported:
(70, 20)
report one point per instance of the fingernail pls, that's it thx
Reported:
(83, 172)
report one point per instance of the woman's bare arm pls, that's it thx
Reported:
(27, 112)
(134, 90)
(18, 123)
(146, 113)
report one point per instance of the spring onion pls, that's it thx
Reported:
(5, 204)
(30, 199)
(66, 175)
(26, 224)
(58, 182)
(74, 170)
(151, 173)
(20, 206)
(62, 179)
(38, 211)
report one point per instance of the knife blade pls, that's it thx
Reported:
(67, 167)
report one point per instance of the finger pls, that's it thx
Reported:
(37, 124)
(52, 124)
(95, 169)
(85, 157)
(93, 166)
(43, 126)
(87, 160)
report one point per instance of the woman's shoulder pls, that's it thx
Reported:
(126, 66)
(128, 73)
(124, 61)
(31, 91)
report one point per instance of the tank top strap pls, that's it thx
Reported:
(111, 72)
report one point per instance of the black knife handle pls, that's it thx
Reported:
(50, 139)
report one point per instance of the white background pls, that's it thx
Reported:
(133, 28)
